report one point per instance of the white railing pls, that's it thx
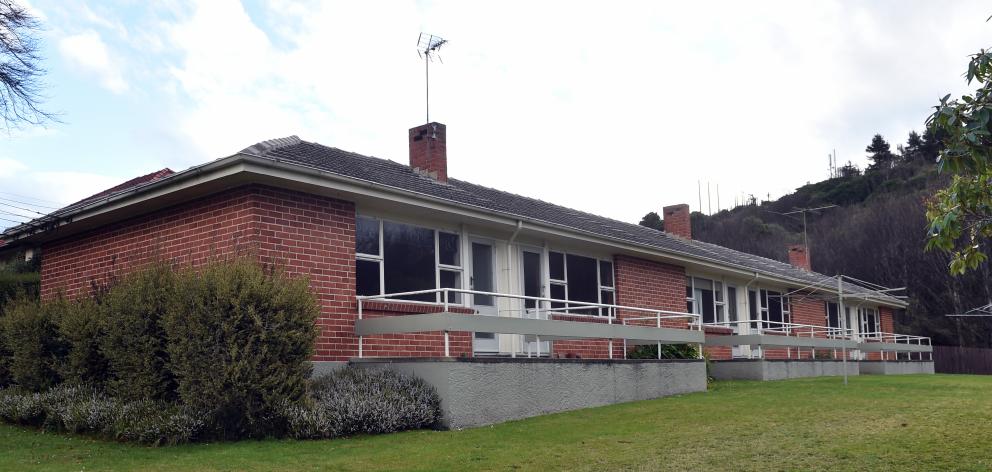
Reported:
(896, 338)
(827, 332)
(543, 308)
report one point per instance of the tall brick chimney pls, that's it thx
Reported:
(677, 220)
(799, 256)
(429, 151)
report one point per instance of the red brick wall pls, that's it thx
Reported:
(639, 283)
(307, 234)
(188, 234)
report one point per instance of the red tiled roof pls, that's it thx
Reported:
(130, 183)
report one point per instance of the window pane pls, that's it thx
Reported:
(408, 260)
(482, 273)
(557, 293)
(606, 298)
(556, 265)
(447, 249)
(606, 273)
(775, 308)
(752, 304)
(718, 291)
(704, 297)
(833, 320)
(688, 287)
(732, 303)
(452, 279)
(366, 277)
(532, 277)
(367, 235)
(582, 281)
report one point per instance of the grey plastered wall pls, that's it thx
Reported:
(477, 392)
(896, 367)
(762, 369)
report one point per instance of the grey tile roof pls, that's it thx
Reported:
(385, 172)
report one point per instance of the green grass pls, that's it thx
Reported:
(937, 422)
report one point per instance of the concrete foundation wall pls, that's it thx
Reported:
(477, 392)
(764, 369)
(896, 367)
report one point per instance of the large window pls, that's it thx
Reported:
(705, 297)
(870, 324)
(395, 258)
(580, 279)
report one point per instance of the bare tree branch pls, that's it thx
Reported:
(21, 73)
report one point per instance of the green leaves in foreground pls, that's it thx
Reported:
(961, 215)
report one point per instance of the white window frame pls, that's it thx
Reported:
(863, 320)
(564, 282)
(438, 267)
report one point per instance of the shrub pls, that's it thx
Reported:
(371, 401)
(134, 341)
(240, 338)
(668, 351)
(76, 409)
(81, 327)
(34, 344)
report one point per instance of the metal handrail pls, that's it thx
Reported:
(610, 316)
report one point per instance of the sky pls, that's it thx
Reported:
(615, 108)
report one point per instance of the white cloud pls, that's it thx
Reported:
(10, 168)
(88, 52)
(612, 108)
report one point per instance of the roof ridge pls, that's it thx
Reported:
(263, 147)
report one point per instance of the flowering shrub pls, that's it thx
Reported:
(84, 410)
(371, 401)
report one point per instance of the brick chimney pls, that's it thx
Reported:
(677, 221)
(799, 256)
(428, 151)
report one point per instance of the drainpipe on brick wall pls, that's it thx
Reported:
(509, 273)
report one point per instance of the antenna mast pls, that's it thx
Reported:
(427, 47)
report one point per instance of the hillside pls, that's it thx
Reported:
(877, 233)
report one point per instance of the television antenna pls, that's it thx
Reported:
(427, 47)
(803, 211)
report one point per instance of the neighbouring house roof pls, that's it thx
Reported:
(296, 152)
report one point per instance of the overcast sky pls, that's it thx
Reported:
(617, 108)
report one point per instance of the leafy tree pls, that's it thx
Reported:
(880, 153)
(913, 150)
(849, 170)
(961, 214)
(653, 220)
(20, 69)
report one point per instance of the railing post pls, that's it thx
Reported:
(361, 354)
(447, 345)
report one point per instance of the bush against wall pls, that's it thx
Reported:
(134, 342)
(31, 337)
(81, 327)
(668, 351)
(356, 400)
(240, 338)
(164, 356)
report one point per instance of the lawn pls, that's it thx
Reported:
(881, 423)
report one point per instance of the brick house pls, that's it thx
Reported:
(401, 258)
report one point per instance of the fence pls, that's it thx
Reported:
(962, 360)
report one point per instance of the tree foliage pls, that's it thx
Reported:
(653, 220)
(880, 153)
(961, 214)
(20, 67)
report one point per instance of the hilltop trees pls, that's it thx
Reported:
(880, 153)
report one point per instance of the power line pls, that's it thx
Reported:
(29, 203)
(22, 208)
(16, 214)
(13, 221)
